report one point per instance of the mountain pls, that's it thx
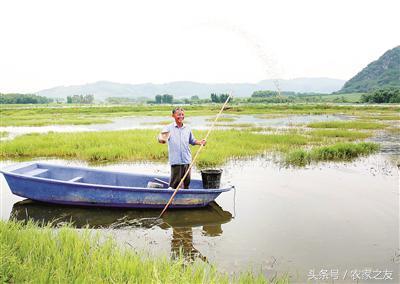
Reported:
(104, 89)
(384, 72)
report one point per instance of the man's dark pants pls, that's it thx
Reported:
(177, 173)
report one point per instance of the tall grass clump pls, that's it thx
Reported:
(44, 255)
(336, 152)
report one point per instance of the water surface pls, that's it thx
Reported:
(341, 216)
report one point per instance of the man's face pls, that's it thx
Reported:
(179, 116)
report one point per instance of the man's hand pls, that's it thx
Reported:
(163, 137)
(202, 142)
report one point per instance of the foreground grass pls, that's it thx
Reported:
(49, 115)
(337, 152)
(44, 255)
(141, 145)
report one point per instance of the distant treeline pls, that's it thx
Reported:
(127, 100)
(169, 99)
(268, 96)
(385, 95)
(80, 99)
(23, 99)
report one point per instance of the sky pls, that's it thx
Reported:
(59, 43)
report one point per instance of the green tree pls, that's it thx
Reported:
(167, 99)
(214, 98)
(158, 99)
(23, 99)
(384, 95)
(264, 94)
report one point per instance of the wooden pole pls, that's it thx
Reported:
(195, 157)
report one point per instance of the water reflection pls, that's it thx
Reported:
(181, 221)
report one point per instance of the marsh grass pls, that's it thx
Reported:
(347, 125)
(393, 130)
(380, 117)
(3, 134)
(141, 145)
(340, 133)
(33, 254)
(337, 152)
(42, 120)
(79, 114)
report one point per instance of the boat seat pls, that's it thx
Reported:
(36, 172)
(75, 179)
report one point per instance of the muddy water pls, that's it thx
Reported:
(334, 216)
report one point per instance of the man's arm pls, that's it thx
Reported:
(194, 141)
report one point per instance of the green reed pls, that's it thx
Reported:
(33, 254)
(336, 152)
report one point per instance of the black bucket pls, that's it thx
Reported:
(211, 178)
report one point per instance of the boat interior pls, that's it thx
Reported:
(94, 176)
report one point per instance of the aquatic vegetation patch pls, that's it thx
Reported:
(340, 133)
(78, 114)
(42, 120)
(380, 117)
(347, 125)
(34, 254)
(336, 152)
(3, 134)
(142, 145)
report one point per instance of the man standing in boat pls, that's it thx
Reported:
(179, 136)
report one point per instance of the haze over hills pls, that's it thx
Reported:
(103, 89)
(381, 73)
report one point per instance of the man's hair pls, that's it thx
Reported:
(175, 109)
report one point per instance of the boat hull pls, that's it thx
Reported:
(86, 194)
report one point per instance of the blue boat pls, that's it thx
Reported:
(93, 187)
